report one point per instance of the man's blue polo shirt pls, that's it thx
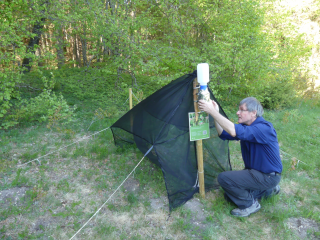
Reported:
(259, 145)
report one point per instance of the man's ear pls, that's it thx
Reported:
(255, 113)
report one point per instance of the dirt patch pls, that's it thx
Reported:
(198, 216)
(132, 185)
(13, 196)
(42, 223)
(287, 187)
(159, 203)
(304, 228)
(193, 206)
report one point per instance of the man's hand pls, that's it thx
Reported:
(221, 123)
(208, 107)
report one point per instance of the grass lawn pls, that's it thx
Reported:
(53, 197)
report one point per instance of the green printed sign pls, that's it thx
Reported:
(199, 129)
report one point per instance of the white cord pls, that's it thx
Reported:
(37, 159)
(111, 195)
(136, 97)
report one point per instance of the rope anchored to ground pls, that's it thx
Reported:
(112, 193)
(37, 159)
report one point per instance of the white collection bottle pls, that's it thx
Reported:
(203, 79)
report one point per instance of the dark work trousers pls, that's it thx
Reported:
(242, 187)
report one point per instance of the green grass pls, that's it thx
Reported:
(71, 184)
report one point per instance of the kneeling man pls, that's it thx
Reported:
(260, 153)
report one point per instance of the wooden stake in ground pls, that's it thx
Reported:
(198, 142)
(130, 98)
(130, 106)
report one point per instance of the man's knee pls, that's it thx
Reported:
(221, 179)
(225, 179)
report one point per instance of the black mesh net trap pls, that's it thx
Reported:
(161, 121)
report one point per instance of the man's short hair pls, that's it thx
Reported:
(253, 105)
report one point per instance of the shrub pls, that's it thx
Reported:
(275, 95)
(42, 108)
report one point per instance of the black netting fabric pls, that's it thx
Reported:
(161, 121)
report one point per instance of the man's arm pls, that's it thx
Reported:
(220, 121)
(218, 127)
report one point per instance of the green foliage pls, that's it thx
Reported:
(24, 234)
(250, 46)
(106, 91)
(132, 199)
(2, 230)
(15, 18)
(312, 93)
(276, 95)
(63, 185)
(32, 194)
(105, 230)
(46, 106)
(19, 180)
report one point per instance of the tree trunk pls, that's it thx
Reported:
(59, 47)
(98, 48)
(84, 47)
(76, 50)
(37, 29)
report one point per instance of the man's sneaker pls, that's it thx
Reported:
(276, 190)
(255, 207)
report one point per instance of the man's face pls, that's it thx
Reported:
(244, 116)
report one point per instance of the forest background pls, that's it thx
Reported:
(254, 48)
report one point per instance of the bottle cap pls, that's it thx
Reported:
(203, 87)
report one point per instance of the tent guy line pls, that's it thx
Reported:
(136, 97)
(37, 159)
(292, 156)
(128, 99)
(125, 102)
(113, 193)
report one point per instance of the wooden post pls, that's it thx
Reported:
(130, 98)
(199, 148)
(130, 105)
